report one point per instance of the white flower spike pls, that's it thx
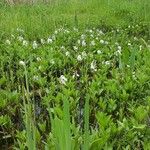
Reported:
(93, 66)
(8, 42)
(25, 43)
(79, 58)
(34, 45)
(63, 79)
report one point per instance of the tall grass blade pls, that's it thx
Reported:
(86, 125)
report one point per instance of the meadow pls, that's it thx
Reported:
(75, 75)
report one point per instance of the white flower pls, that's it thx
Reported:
(92, 43)
(42, 41)
(101, 32)
(102, 41)
(75, 74)
(66, 31)
(134, 74)
(119, 47)
(67, 53)
(83, 43)
(93, 66)
(22, 63)
(49, 40)
(34, 45)
(20, 38)
(140, 47)
(90, 31)
(92, 35)
(25, 43)
(96, 38)
(35, 78)
(99, 52)
(38, 59)
(20, 30)
(135, 38)
(75, 48)
(118, 52)
(79, 58)
(75, 29)
(63, 79)
(129, 44)
(8, 42)
(62, 48)
(106, 62)
(56, 32)
(118, 30)
(84, 54)
(112, 31)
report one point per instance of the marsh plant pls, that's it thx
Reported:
(74, 84)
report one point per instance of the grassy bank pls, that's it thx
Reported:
(39, 20)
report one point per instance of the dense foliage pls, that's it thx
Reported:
(75, 75)
(46, 83)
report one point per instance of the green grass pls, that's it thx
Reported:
(39, 20)
(75, 75)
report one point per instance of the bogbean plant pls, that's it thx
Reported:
(76, 89)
